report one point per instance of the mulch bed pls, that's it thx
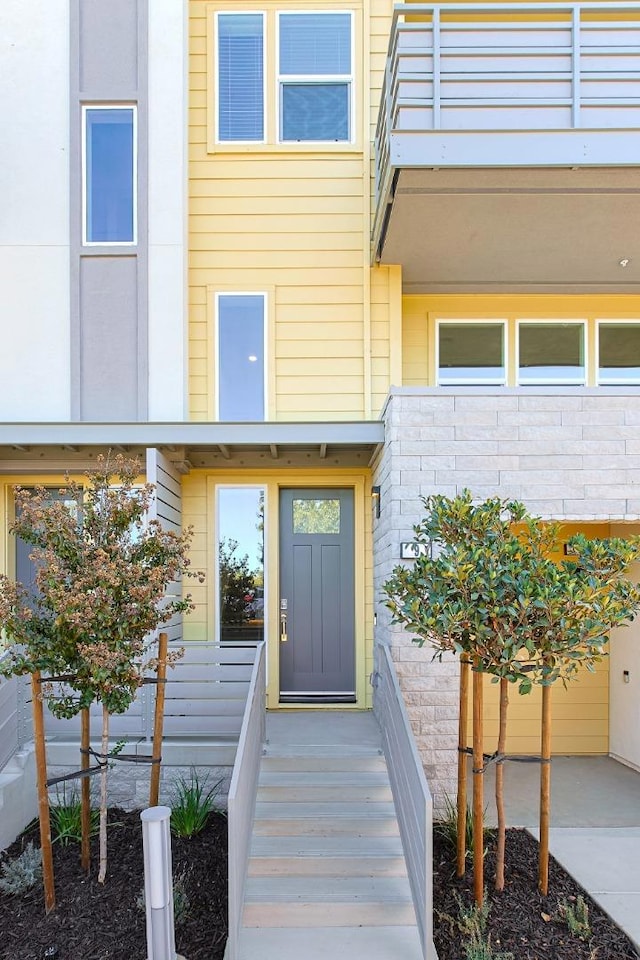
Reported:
(95, 921)
(516, 923)
(102, 922)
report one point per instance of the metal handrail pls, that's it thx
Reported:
(242, 796)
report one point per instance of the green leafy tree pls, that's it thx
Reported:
(101, 584)
(237, 584)
(490, 589)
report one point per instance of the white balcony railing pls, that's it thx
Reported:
(504, 84)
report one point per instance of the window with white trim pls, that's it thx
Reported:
(108, 174)
(240, 573)
(315, 76)
(471, 353)
(240, 353)
(240, 60)
(618, 352)
(551, 352)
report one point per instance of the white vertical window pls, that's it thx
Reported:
(471, 353)
(551, 352)
(618, 352)
(109, 174)
(240, 77)
(240, 564)
(315, 76)
(240, 340)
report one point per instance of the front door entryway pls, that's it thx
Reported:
(317, 604)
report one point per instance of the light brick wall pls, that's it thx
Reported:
(570, 454)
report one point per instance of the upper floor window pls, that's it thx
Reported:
(618, 353)
(471, 353)
(551, 352)
(109, 174)
(240, 82)
(285, 77)
(315, 76)
(240, 356)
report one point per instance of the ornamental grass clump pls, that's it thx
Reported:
(66, 819)
(191, 803)
(102, 572)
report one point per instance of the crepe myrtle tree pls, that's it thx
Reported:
(102, 572)
(490, 588)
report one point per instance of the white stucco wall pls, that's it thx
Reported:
(34, 219)
(624, 697)
(167, 208)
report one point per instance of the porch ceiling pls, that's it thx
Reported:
(58, 447)
(515, 230)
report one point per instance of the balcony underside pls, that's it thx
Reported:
(528, 230)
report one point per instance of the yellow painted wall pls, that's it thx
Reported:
(580, 712)
(420, 313)
(291, 221)
(199, 488)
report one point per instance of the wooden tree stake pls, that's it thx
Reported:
(158, 720)
(85, 790)
(478, 786)
(465, 666)
(502, 822)
(545, 791)
(43, 793)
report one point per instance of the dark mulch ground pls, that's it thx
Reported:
(102, 922)
(516, 921)
(94, 922)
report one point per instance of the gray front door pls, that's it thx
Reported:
(317, 638)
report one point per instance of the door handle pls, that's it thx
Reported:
(283, 628)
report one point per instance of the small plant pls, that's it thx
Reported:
(181, 902)
(66, 819)
(472, 925)
(192, 802)
(19, 875)
(447, 827)
(576, 917)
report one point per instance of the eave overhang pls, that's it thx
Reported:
(42, 447)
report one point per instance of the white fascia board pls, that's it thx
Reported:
(515, 148)
(192, 434)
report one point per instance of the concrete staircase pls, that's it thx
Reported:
(327, 871)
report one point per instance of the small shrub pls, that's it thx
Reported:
(181, 901)
(192, 802)
(19, 875)
(66, 819)
(576, 917)
(471, 923)
(447, 827)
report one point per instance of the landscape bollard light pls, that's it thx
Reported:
(158, 883)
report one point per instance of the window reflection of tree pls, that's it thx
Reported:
(241, 589)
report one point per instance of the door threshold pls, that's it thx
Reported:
(317, 698)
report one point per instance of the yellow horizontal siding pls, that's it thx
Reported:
(580, 711)
(293, 223)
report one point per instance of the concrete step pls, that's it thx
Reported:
(326, 943)
(320, 751)
(324, 819)
(349, 793)
(323, 778)
(327, 856)
(327, 764)
(327, 901)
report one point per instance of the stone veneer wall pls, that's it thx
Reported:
(568, 453)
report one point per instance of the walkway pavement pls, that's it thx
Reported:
(595, 827)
